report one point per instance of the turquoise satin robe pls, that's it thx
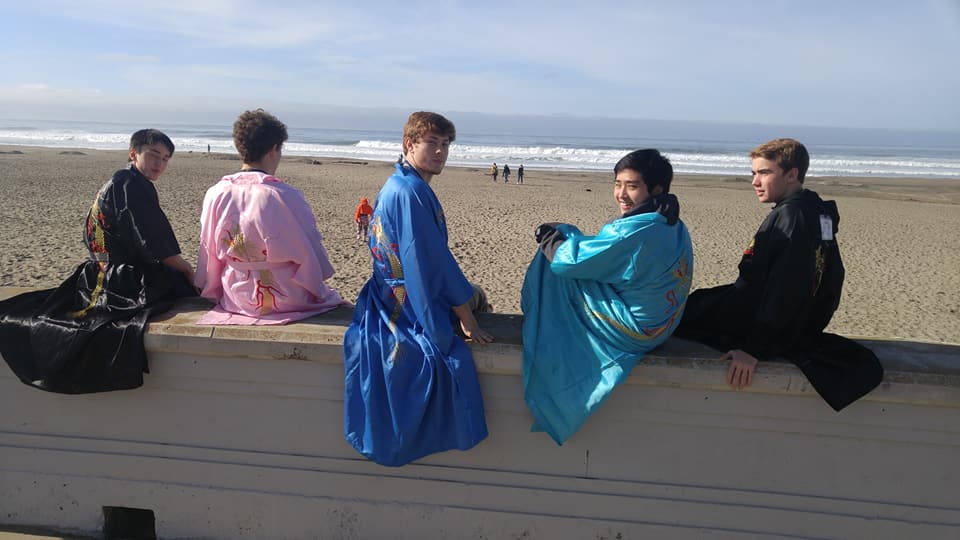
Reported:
(593, 312)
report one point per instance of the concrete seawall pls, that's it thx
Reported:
(238, 433)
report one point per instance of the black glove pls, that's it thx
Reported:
(549, 237)
(545, 229)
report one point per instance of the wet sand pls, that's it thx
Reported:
(898, 237)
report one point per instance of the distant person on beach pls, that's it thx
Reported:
(494, 171)
(362, 218)
(411, 388)
(87, 335)
(593, 306)
(520, 174)
(506, 173)
(789, 286)
(261, 259)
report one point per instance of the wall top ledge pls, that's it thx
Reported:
(915, 372)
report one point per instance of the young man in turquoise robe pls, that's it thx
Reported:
(594, 305)
(411, 388)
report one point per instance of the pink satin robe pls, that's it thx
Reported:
(261, 256)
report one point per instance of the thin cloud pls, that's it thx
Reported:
(43, 92)
(214, 22)
(682, 60)
(126, 58)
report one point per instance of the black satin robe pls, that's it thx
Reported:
(789, 286)
(87, 334)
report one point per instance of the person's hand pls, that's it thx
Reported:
(544, 229)
(474, 332)
(742, 366)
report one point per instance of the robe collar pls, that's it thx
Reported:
(406, 168)
(665, 204)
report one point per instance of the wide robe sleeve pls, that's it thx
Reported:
(144, 226)
(209, 265)
(609, 257)
(434, 281)
(782, 250)
(300, 212)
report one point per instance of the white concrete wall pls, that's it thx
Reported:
(238, 433)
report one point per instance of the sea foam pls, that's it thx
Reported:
(556, 152)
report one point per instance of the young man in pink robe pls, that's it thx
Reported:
(261, 257)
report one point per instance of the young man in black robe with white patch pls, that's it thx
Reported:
(86, 335)
(789, 286)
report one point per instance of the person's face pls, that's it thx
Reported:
(429, 154)
(771, 183)
(151, 160)
(629, 190)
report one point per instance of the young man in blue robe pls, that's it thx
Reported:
(411, 388)
(594, 305)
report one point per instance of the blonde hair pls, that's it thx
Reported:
(422, 122)
(786, 153)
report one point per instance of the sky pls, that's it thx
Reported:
(879, 64)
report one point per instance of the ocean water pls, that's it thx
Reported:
(559, 144)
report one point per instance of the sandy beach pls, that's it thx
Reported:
(898, 237)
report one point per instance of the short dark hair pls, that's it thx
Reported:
(255, 133)
(422, 122)
(654, 168)
(147, 137)
(786, 153)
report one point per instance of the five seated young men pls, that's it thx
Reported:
(593, 305)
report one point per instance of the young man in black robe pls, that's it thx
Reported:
(789, 286)
(87, 334)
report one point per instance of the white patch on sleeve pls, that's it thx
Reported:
(826, 228)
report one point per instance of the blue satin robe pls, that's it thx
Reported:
(411, 388)
(591, 314)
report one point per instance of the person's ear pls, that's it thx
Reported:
(657, 189)
(133, 155)
(793, 175)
